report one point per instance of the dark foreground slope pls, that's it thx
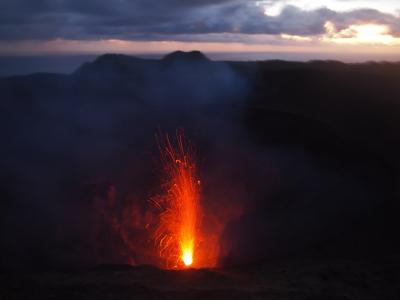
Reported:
(300, 280)
(296, 160)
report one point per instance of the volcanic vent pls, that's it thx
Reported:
(178, 225)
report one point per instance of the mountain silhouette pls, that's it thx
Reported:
(185, 57)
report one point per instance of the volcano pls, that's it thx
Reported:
(291, 192)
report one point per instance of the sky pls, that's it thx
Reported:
(361, 28)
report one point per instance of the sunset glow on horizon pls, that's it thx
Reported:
(269, 26)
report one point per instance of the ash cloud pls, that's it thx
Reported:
(275, 183)
(82, 135)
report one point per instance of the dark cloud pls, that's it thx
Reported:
(168, 19)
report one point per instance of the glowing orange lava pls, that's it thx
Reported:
(176, 235)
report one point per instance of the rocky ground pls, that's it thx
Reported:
(334, 279)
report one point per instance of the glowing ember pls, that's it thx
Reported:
(179, 218)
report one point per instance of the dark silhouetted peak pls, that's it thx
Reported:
(185, 57)
(114, 63)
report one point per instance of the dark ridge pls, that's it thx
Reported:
(185, 57)
(119, 64)
(112, 268)
(114, 63)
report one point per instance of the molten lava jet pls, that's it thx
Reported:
(177, 231)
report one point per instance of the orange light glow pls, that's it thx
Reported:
(187, 257)
(176, 234)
